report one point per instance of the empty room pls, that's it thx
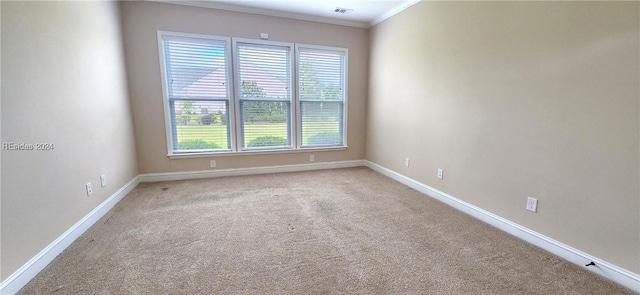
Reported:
(314, 147)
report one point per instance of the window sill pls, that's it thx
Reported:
(255, 152)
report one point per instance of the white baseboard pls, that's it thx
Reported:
(29, 270)
(614, 273)
(155, 177)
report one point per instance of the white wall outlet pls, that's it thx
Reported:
(212, 164)
(532, 204)
(89, 189)
(440, 173)
(406, 162)
(103, 180)
(312, 158)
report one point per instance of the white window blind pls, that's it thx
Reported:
(264, 93)
(260, 96)
(321, 90)
(198, 93)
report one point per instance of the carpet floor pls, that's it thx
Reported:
(321, 232)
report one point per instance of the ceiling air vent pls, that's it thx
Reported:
(343, 10)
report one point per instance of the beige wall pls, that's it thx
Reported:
(511, 99)
(64, 83)
(141, 21)
(517, 99)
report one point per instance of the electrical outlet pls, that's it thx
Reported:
(89, 189)
(103, 180)
(212, 164)
(406, 162)
(440, 173)
(532, 204)
(312, 158)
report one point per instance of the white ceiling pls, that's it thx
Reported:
(365, 13)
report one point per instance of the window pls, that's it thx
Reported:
(321, 92)
(198, 96)
(253, 96)
(263, 80)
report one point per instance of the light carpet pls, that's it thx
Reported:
(349, 231)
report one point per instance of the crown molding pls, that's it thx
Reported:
(305, 17)
(267, 12)
(399, 8)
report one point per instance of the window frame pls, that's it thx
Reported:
(345, 92)
(233, 100)
(291, 128)
(170, 127)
